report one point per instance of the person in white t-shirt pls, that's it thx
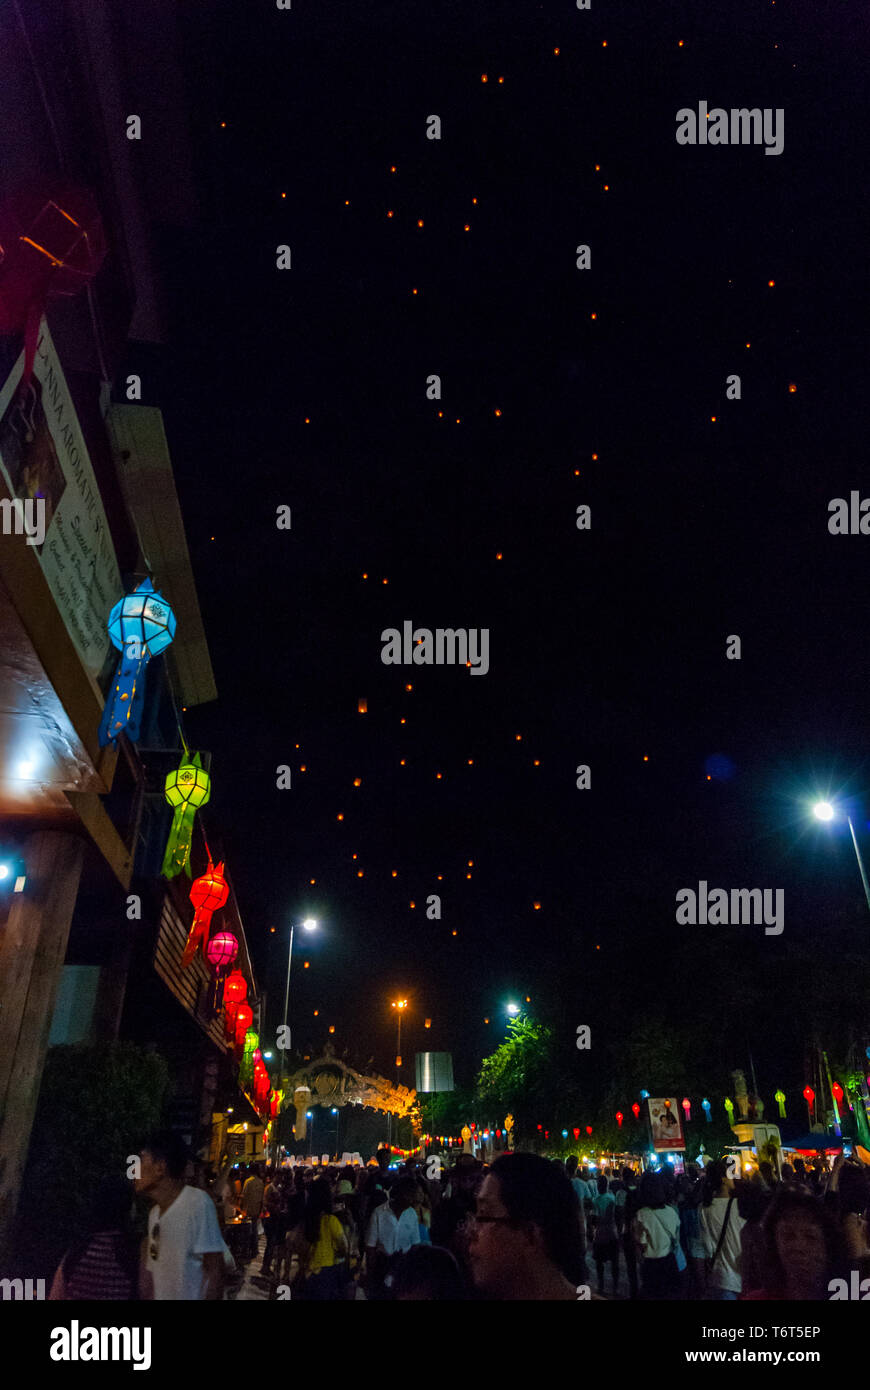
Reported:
(724, 1280)
(183, 1253)
(380, 1247)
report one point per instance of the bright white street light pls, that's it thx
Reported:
(310, 923)
(823, 810)
(513, 1008)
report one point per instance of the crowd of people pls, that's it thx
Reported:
(521, 1227)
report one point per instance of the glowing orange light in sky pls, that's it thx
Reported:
(498, 412)
(646, 757)
(471, 762)
(770, 284)
(340, 816)
(536, 906)
(792, 388)
(357, 781)
(483, 77)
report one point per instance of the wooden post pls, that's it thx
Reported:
(32, 951)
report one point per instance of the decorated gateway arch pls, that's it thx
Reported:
(326, 1080)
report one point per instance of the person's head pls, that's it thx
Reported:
(650, 1190)
(800, 1169)
(571, 1165)
(602, 1185)
(584, 1173)
(629, 1177)
(426, 1272)
(403, 1194)
(319, 1205)
(804, 1245)
(854, 1188)
(693, 1172)
(716, 1181)
(527, 1225)
(164, 1158)
(110, 1207)
(347, 1173)
(383, 1157)
(765, 1170)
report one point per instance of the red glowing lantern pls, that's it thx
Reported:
(687, 1106)
(50, 244)
(244, 1019)
(222, 950)
(540, 1126)
(635, 1110)
(588, 1129)
(208, 893)
(577, 1133)
(810, 1098)
(619, 1118)
(235, 991)
(838, 1092)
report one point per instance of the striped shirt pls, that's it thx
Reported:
(100, 1274)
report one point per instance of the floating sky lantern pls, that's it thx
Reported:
(186, 789)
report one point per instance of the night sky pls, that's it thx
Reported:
(607, 646)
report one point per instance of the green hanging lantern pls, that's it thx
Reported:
(779, 1097)
(246, 1070)
(729, 1106)
(187, 788)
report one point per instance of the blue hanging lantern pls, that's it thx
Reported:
(141, 625)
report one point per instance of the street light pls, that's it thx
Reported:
(309, 924)
(337, 1122)
(824, 811)
(513, 1009)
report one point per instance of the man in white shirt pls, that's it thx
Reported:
(183, 1253)
(380, 1248)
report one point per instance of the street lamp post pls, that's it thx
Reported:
(309, 924)
(337, 1123)
(824, 811)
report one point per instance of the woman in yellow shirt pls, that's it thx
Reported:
(327, 1245)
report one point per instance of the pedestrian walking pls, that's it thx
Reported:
(657, 1233)
(183, 1255)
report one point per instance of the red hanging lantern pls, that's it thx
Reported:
(577, 1133)
(222, 950)
(235, 991)
(619, 1118)
(50, 244)
(207, 893)
(244, 1019)
(837, 1092)
(540, 1126)
(635, 1110)
(810, 1098)
(687, 1106)
(588, 1129)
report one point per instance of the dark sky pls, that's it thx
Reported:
(606, 645)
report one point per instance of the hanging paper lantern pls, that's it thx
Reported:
(810, 1098)
(252, 1043)
(644, 1095)
(837, 1092)
(141, 625)
(50, 244)
(208, 893)
(779, 1097)
(577, 1133)
(707, 1109)
(635, 1110)
(222, 950)
(244, 1019)
(687, 1106)
(564, 1134)
(729, 1106)
(540, 1126)
(187, 788)
(235, 993)
(619, 1118)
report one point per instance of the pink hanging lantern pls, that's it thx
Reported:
(687, 1106)
(221, 950)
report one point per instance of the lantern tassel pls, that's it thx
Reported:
(177, 856)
